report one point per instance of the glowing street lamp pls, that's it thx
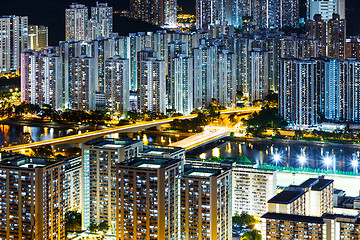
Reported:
(302, 160)
(276, 158)
(355, 164)
(327, 161)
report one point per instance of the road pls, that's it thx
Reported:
(123, 129)
(209, 134)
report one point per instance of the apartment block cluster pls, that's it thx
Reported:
(149, 192)
(242, 13)
(305, 211)
(16, 36)
(158, 12)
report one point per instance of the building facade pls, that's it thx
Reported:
(76, 17)
(153, 183)
(98, 191)
(32, 200)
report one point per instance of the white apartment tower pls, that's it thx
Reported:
(151, 84)
(170, 13)
(326, 8)
(225, 91)
(117, 79)
(206, 13)
(76, 17)
(298, 96)
(259, 75)
(251, 189)
(13, 41)
(204, 65)
(41, 78)
(183, 84)
(101, 22)
(98, 184)
(82, 83)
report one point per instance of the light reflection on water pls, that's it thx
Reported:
(263, 152)
(12, 134)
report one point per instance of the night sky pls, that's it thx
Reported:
(51, 13)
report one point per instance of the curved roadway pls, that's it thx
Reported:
(103, 132)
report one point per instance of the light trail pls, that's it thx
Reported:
(103, 132)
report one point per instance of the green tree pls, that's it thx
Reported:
(299, 134)
(72, 221)
(93, 227)
(45, 151)
(252, 235)
(232, 118)
(103, 227)
(72, 151)
(244, 219)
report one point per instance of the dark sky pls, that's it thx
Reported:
(51, 13)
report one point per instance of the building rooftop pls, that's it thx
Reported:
(292, 217)
(160, 150)
(149, 162)
(342, 218)
(111, 142)
(22, 161)
(202, 172)
(316, 184)
(286, 197)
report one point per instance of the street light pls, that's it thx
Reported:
(302, 160)
(355, 164)
(327, 161)
(276, 158)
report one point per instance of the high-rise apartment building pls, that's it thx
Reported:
(170, 13)
(204, 65)
(258, 75)
(147, 199)
(326, 8)
(101, 22)
(41, 78)
(290, 226)
(352, 48)
(225, 89)
(83, 83)
(205, 202)
(117, 82)
(305, 211)
(151, 83)
(336, 37)
(32, 201)
(183, 84)
(99, 157)
(317, 28)
(288, 13)
(163, 152)
(314, 197)
(206, 13)
(72, 185)
(328, 93)
(326, 227)
(251, 189)
(153, 11)
(38, 37)
(297, 91)
(76, 18)
(13, 41)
